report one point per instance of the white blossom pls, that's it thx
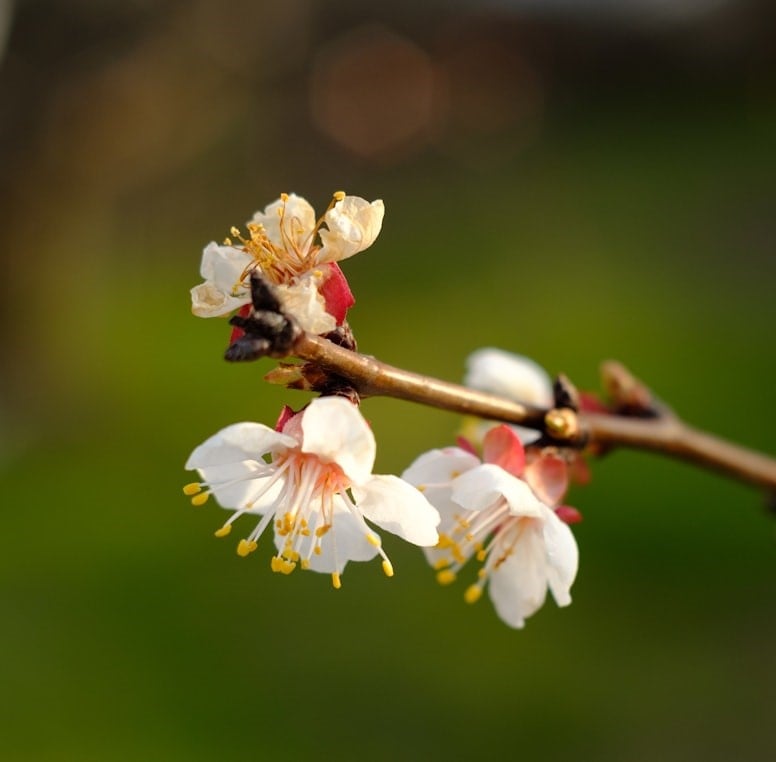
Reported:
(313, 482)
(493, 512)
(294, 251)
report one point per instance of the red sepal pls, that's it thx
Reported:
(336, 293)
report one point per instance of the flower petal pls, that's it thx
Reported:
(562, 558)
(439, 467)
(305, 304)
(514, 376)
(335, 431)
(224, 266)
(298, 222)
(209, 301)
(518, 585)
(353, 224)
(398, 507)
(236, 443)
(483, 486)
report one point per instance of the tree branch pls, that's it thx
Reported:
(665, 434)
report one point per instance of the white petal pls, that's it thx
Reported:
(298, 222)
(353, 224)
(398, 507)
(306, 305)
(345, 541)
(562, 557)
(483, 486)
(439, 466)
(518, 586)
(241, 490)
(209, 301)
(237, 443)
(223, 266)
(336, 432)
(519, 378)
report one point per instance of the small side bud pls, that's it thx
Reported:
(562, 423)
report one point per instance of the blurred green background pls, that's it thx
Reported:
(570, 181)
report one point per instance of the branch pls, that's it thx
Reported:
(665, 433)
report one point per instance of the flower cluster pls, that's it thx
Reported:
(309, 479)
(316, 489)
(295, 252)
(501, 511)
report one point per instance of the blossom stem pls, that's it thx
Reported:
(668, 434)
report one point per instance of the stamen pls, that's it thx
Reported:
(223, 531)
(335, 580)
(200, 499)
(246, 547)
(373, 539)
(339, 195)
(445, 577)
(387, 568)
(192, 489)
(473, 593)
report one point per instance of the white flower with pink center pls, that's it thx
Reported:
(313, 482)
(297, 253)
(500, 512)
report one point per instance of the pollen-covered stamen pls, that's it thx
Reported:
(308, 247)
(199, 492)
(467, 539)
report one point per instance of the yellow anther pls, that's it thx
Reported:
(228, 241)
(482, 573)
(457, 554)
(387, 568)
(317, 550)
(445, 577)
(200, 499)
(472, 594)
(469, 537)
(444, 541)
(234, 231)
(373, 539)
(246, 547)
(223, 531)
(454, 474)
(305, 563)
(421, 488)
(290, 554)
(336, 581)
(441, 563)
(481, 555)
(278, 564)
(322, 530)
(284, 197)
(339, 195)
(192, 489)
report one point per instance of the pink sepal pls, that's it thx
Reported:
(336, 293)
(568, 515)
(286, 414)
(502, 447)
(466, 446)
